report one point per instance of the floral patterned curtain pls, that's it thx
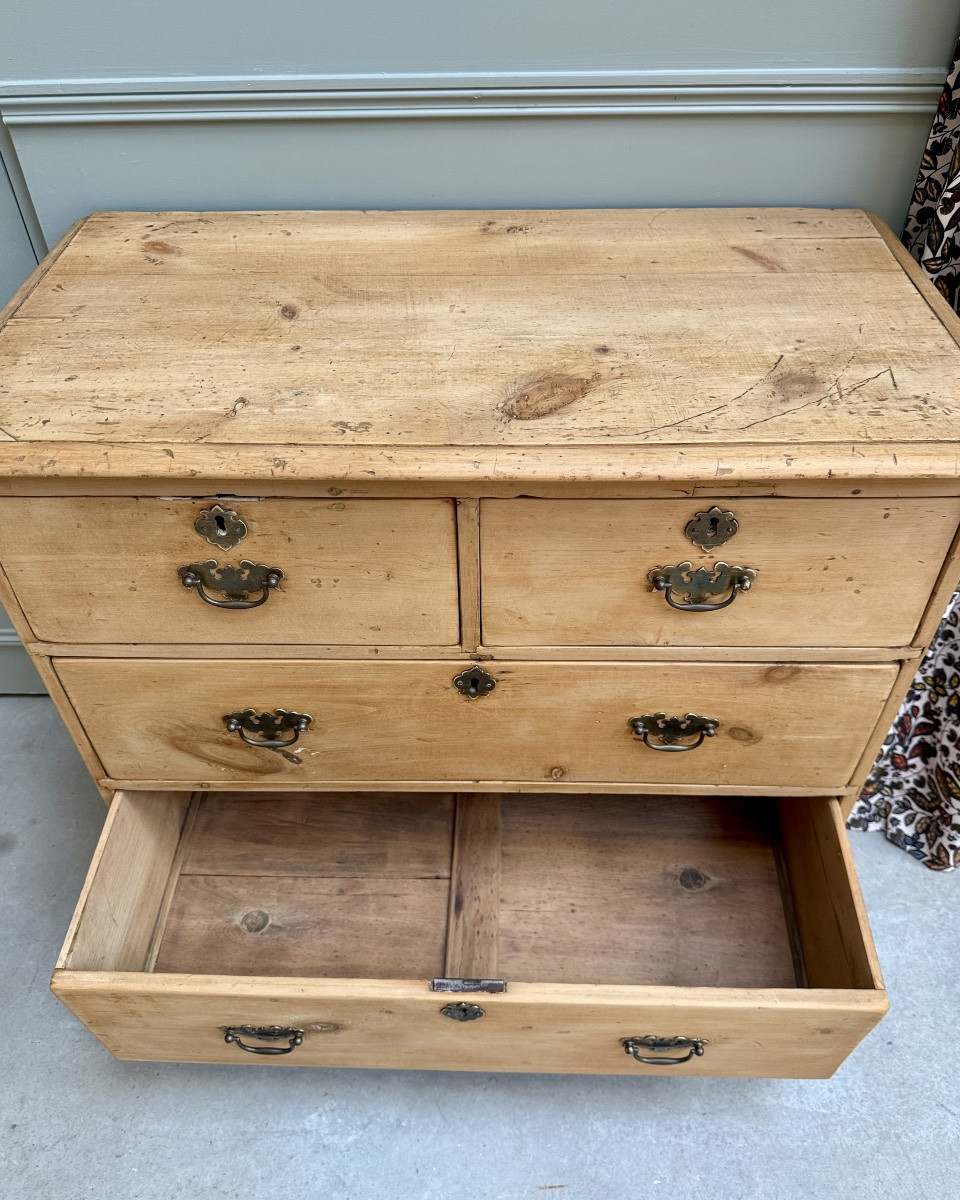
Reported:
(913, 791)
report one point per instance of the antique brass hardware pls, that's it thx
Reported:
(474, 682)
(220, 526)
(672, 730)
(698, 584)
(236, 583)
(468, 985)
(634, 1045)
(711, 528)
(462, 1011)
(265, 726)
(264, 1033)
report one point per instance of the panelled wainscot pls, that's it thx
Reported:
(478, 623)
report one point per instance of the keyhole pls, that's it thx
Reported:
(221, 525)
(474, 687)
(714, 526)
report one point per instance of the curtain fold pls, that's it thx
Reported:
(913, 792)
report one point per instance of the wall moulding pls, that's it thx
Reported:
(406, 97)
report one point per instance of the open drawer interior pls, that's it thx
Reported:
(595, 889)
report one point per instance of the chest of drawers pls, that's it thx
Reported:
(477, 623)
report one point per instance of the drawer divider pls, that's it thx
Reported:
(473, 920)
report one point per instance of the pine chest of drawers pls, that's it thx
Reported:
(477, 622)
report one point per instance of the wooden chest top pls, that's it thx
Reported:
(599, 346)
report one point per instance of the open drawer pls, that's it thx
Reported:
(313, 929)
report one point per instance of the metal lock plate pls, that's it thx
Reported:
(220, 526)
(474, 683)
(462, 1011)
(711, 528)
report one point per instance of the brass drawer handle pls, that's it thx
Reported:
(236, 583)
(265, 1033)
(671, 731)
(265, 727)
(633, 1046)
(697, 585)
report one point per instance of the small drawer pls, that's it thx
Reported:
(137, 570)
(844, 572)
(175, 723)
(625, 936)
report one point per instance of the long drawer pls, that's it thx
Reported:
(730, 725)
(851, 572)
(618, 936)
(137, 570)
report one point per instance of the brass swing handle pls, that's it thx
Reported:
(236, 583)
(265, 1033)
(672, 730)
(634, 1045)
(265, 726)
(697, 585)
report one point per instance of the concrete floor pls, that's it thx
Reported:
(76, 1123)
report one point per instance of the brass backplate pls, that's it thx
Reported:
(220, 526)
(711, 528)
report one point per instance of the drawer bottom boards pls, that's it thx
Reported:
(735, 925)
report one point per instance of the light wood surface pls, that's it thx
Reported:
(555, 332)
(468, 557)
(473, 919)
(360, 571)
(382, 834)
(467, 437)
(545, 1028)
(844, 573)
(541, 1025)
(122, 897)
(786, 725)
(770, 654)
(826, 896)
(342, 926)
(624, 487)
(676, 892)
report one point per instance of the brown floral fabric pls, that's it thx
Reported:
(913, 791)
(932, 229)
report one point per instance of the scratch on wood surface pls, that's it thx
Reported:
(836, 388)
(764, 376)
(763, 260)
(692, 417)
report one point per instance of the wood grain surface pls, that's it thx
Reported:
(91, 570)
(287, 343)
(663, 891)
(733, 913)
(789, 725)
(568, 572)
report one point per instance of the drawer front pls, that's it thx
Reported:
(796, 726)
(828, 572)
(92, 570)
(387, 1023)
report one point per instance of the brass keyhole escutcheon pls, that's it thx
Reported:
(474, 683)
(220, 526)
(462, 1011)
(711, 528)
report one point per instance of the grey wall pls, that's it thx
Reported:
(434, 103)
(16, 263)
